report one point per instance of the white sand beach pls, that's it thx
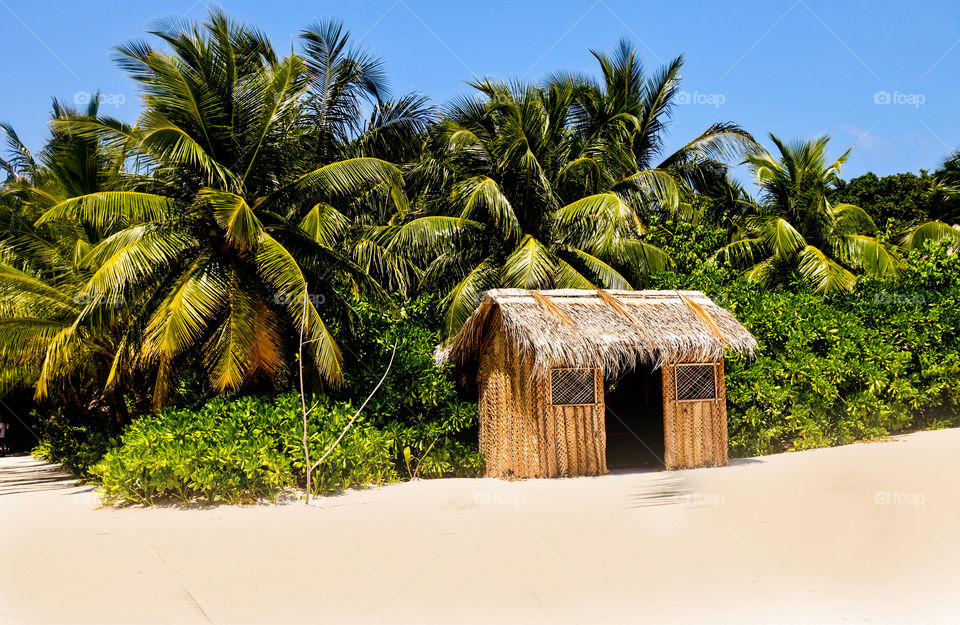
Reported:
(865, 533)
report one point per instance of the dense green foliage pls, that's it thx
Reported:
(896, 200)
(549, 186)
(77, 440)
(273, 224)
(238, 450)
(432, 427)
(251, 448)
(213, 226)
(794, 228)
(856, 365)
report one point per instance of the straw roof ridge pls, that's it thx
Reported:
(613, 330)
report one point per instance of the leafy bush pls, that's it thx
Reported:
(687, 243)
(252, 448)
(239, 450)
(898, 199)
(76, 441)
(880, 360)
(416, 390)
(227, 450)
(432, 427)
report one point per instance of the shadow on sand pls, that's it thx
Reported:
(23, 474)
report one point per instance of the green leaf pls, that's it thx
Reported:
(824, 274)
(234, 214)
(529, 266)
(935, 231)
(110, 207)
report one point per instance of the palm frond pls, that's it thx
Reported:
(870, 255)
(781, 238)
(656, 183)
(232, 212)
(111, 207)
(464, 298)
(605, 275)
(183, 317)
(324, 224)
(935, 231)
(824, 274)
(741, 253)
(278, 267)
(850, 218)
(483, 192)
(430, 232)
(530, 266)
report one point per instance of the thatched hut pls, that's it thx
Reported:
(556, 370)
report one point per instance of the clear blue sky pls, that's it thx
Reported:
(878, 75)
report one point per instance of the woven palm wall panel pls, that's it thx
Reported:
(539, 426)
(573, 418)
(695, 416)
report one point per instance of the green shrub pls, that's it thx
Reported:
(226, 450)
(832, 370)
(76, 441)
(252, 448)
(241, 450)
(416, 390)
(434, 431)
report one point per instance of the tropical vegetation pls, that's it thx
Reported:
(278, 230)
(795, 227)
(552, 185)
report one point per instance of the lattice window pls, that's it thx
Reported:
(696, 382)
(572, 387)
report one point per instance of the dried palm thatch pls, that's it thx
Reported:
(611, 330)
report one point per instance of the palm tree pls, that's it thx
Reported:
(948, 191)
(548, 186)
(792, 226)
(225, 251)
(41, 267)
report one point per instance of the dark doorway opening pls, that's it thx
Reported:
(634, 420)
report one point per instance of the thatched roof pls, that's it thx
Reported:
(612, 330)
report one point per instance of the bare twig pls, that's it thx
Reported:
(303, 396)
(359, 410)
